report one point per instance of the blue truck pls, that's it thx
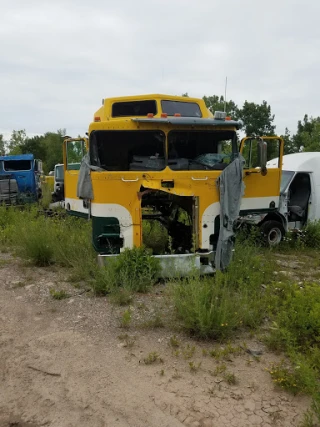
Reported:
(20, 179)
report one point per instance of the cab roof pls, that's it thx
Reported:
(160, 109)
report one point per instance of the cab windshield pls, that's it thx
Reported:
(201, 150)
(59, 172)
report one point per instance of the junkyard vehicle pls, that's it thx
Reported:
(300, 189)
(152, 157)
(20, 179)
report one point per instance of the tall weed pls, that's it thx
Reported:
(134, 269)
(217, 307)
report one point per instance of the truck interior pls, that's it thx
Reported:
(299, 195)
(177, 222)
(174, 216)
(145, 150)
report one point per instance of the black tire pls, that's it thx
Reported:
(273, 232)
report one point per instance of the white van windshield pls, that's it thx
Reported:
(285, 179)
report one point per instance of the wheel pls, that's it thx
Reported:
(273, 232)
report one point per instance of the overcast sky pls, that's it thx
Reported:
(59, 58)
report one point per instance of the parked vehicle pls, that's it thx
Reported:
(299, 197)
(153, 156)
(49, 181)
(300, 188)
(20, 179)
(58, 186)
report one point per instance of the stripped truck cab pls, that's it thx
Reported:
(159, 158)
(20, 179)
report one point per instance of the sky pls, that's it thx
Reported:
(59, 58)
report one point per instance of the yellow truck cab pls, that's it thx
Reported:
(159, 157)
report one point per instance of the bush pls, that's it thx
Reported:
(45, 240)
(155, 236)
(297, 323)
(134, 269)
(297, 377)
(311, 236)
(296, 330)
(308, 237)
(217, 307)
(35, 242)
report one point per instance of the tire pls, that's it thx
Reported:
(273, 232)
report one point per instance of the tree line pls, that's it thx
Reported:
(257, 120)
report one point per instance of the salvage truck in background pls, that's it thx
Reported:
(299, 197)
(168, 159)
(20, 179)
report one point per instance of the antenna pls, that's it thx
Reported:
(225, 94)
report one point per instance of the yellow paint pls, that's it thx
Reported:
(49, 181)
(123, 187)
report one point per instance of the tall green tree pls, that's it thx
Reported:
(34, 145)
(289, 145)
(17, 140)
(257, 119)
(307, 136)
(310, 140)
(2, 145)
(53, 143)
(216, 103)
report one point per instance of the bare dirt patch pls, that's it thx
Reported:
(67, 362)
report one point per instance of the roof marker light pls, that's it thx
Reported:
(97, 119)
(164, 115)
(219, 115)
(177, 115)
(228, 118)
(150, 115)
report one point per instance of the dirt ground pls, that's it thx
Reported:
(68, 363)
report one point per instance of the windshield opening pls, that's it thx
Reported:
(285, 179)
(17, 165)
(201, 150)
(128, 150)
(59, 172)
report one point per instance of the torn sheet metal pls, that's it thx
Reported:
(231, 188)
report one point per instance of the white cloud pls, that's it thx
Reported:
(59, 59)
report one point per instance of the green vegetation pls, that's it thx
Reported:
(58, 294)
(134, 270)
(257, 119)
(218, 307)
(253, 295)
(152, 358)
(125, 319)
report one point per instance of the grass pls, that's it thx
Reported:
(230, 378)
(154, 322)
(58, 295)
(249, 296)
(226, 352)
(134, 270)
(46, 240)
(194, 367)
(174, 342)
(152, 358)
(217, 307)
(127, 340)
(125, 319)
(121, 297)
(219, 369)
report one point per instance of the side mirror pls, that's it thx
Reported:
(262, 156)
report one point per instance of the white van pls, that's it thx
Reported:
(299, 199)
(300, 189)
